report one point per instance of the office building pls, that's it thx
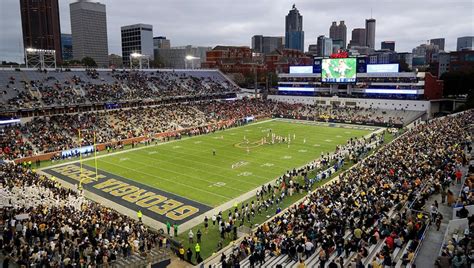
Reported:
(370, 33)
(161, 42)
(313, 49)
(407, 58)
(438, 42)
(427, 51)
(266, 44)
(337, 45)
(294, 34)
(357, 38)
(66, 46)
(465, 43)
(324, 46)
(40, 25)
(136, 38)
(388, 45)
(338, 32)
(89, 31)
(175, 57)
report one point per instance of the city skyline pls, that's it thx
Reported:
(234, 23)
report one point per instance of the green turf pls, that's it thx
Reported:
(189, 169)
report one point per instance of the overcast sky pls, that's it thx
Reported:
(234, 22)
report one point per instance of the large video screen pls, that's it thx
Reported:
(382, 68)
(339, 70)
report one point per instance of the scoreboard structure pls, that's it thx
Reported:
(351, 76)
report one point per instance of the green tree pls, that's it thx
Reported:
(89, 62)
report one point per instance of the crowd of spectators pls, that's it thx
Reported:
(46, 88)
(38, 229)
(342, 114)
(45, 134)
(366, 206)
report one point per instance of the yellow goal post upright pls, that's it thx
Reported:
(82, 177)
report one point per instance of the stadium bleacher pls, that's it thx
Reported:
(33, 88)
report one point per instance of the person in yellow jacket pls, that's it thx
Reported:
(181, 252)
(301, 264)
(197, 248)
(139, 215)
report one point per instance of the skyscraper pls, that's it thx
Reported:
(40, 25)
(438, 42)
(266, 44)
(358, 37)
(89, 31)
(294, 35)
(339, 32)
(465, 43)
(136, 38)
(66, 46)
(370, 33)
(324, 46)
(390, 45)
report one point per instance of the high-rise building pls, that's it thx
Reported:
(66, 46)
(388, 45)
(425, 54)
(136, 38)
(465, 43)
(161, 42)
(370, 33)
(338, 32)
(40, 25)
(266, 44)
(438, 42)
(358, 37)
(294, 34)
(89, 31)
(324, 46)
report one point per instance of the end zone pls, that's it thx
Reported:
(154, 203)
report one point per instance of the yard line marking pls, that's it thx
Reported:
(172, 181)
(154, 145)
(201, 170)
(182, 174)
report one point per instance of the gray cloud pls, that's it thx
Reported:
(213, 22)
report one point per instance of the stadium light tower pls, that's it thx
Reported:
(40, 58)
(190, 58)
(140, 59)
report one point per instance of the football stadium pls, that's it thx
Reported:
(232, 156)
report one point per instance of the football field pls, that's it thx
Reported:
(187, 171)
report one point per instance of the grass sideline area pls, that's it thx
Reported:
(189, 168)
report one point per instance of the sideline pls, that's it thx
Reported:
(146, 146)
